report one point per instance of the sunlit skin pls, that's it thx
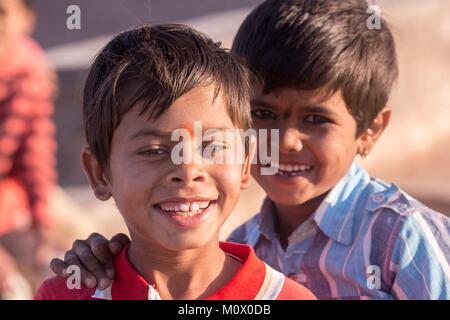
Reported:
(184, 261)
(316, 130)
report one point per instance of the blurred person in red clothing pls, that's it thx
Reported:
(27, 143)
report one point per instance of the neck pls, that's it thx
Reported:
(186, 274)
(289, 218)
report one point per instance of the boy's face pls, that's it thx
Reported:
(151, 191)
(317, 142)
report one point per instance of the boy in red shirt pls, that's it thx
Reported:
(145, 85)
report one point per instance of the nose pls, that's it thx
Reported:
(185, 174)
(290, 140)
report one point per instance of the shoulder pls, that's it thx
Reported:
(294, 291)
(422, 227)
(57, 288)
(390, 200)
(246, 232)
(397, 214)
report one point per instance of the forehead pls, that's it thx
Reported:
(199, 104)
(292, 98)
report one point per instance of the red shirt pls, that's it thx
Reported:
(255, 280)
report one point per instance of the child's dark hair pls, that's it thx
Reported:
(312, 44)
(151, 66)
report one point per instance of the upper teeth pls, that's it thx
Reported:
(290, 168)
(185, 206)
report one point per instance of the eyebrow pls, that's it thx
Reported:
(318, 109)
(306, 109)
(168, 134)
(152, 133)
(262, 103)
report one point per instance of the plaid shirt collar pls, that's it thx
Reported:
(336, 214)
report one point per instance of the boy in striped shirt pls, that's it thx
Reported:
(325, 82)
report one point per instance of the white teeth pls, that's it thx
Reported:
(170, 207)
(184, 214)
(291, 168)
(185, 209)
(195, 206)
(204, 204)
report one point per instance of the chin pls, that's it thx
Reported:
(289, 199)
(186, 243)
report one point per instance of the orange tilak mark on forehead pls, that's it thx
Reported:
(189, 127)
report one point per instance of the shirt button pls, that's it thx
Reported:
(378, 198)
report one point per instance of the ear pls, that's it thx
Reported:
(246, 176)
(371, 135)
(97, 179)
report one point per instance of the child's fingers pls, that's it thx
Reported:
(117, 243)
(100, 249)
(87, 279)
(59, 268)
(91, 264)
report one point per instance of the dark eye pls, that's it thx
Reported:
(315, 119)
(154, 152)
(263, 115)
(211, 148)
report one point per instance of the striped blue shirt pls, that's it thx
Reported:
(367, 240)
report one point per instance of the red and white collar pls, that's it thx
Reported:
(253, 281)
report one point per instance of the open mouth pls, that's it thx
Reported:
(187, 213)
(291, 170)
(185, 208)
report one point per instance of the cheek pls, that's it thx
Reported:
(131, 184)
(333, 145)
(228, 180)
(334, 152)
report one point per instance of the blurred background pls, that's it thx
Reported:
(414, 152)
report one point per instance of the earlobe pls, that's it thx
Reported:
(371, 135)
(95, 175)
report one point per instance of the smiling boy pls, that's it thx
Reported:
(325, 83)
(144, 85)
